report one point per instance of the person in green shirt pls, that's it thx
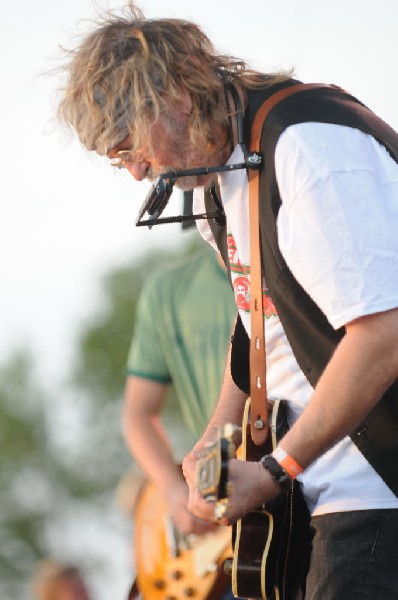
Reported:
(182, 330)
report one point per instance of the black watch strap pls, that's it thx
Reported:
(278, 473)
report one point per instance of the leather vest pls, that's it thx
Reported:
(312, 338)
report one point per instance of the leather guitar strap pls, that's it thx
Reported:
(258, 388)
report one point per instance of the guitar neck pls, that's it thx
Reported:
(212, 467)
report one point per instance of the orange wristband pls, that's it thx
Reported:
(288, 463)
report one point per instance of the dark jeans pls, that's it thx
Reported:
(354, 556)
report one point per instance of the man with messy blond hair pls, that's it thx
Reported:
(131, 71)
(155, 97)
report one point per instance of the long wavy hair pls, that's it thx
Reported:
(120, 77)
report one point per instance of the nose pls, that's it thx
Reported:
(137, 169)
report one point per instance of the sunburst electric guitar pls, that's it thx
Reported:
(171, 566)
(271, 545)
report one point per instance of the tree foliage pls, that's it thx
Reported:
(104, 342)
(62, 449)
(30, 482)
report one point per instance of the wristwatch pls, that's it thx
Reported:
(278, 473)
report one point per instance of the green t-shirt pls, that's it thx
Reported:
(182, 329)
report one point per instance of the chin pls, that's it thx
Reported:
(189, 183)
(186, 183)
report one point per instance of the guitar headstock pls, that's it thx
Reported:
(211, 475)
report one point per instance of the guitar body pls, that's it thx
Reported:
(171, 566)
(271, 545)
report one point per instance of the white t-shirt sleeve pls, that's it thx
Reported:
(337, 227)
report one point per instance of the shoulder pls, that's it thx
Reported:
(313, 151)
(326, 144)
(175, 273)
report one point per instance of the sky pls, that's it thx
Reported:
(65, 216)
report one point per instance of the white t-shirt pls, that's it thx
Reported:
(337, 233)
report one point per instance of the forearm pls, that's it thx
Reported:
(363, 366)
(229, 408)
(144, 434)
(147, 444)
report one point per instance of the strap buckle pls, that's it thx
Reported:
(254, 160)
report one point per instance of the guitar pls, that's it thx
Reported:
(271, 545)
(170, 565)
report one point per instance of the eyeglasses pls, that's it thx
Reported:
(122, 157)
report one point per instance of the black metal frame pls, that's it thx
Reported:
(162, 188)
